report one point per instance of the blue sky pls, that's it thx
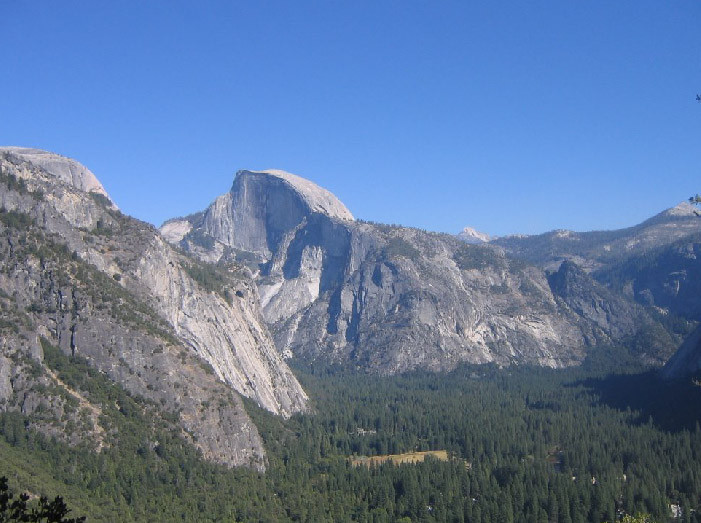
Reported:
(511, 117)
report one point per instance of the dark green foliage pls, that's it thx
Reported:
(198, 237)
(44, 511)
(524, 433)
(15, 220)
(397, 246)
(101, 199)
(101, 229)
(207, 367)
(13, 183)
(650, 339)
(147, 472)
(478, 257)
(208, 276)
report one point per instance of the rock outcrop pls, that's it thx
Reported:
(254, 217)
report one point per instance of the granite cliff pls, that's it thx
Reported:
(80, 275)
(390, 299)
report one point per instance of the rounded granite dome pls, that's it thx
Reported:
(66, 169)
(316, 198)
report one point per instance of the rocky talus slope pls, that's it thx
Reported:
(78, 274)
(390, 299)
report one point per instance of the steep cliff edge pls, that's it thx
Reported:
(164, 326)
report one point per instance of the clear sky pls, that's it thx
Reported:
(511, 117)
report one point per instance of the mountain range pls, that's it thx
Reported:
(205, 310)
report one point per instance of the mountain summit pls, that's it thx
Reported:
(65, 169)
(254, 216)
(317, 198)
(470, 235)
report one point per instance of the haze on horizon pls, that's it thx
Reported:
(507, 117)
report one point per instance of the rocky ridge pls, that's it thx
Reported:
(655, 264)
(599, 249)
(385, 298)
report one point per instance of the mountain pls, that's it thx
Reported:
(667, 277)
(390, 299)
(656, 264)
(470, 235)
(597, 249)
(79, 277)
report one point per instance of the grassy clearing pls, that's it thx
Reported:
(399, 459)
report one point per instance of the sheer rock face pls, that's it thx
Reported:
(612, 314)
(667, 278)
(261, 208)
(152, 328)
(387, 299)
(229, 334)
(402, 299)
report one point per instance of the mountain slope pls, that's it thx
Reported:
(656, 264)
(667, 277)
(107, 288)
(386, 299)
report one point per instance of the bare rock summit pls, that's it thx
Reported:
(470, 235)
(66, 169)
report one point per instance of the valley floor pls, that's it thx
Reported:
(525, 444)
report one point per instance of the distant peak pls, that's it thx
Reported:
(684, 208)
(470, 235)
(680, 211)
(317, 198)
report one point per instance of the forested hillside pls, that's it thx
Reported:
(525, 444)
